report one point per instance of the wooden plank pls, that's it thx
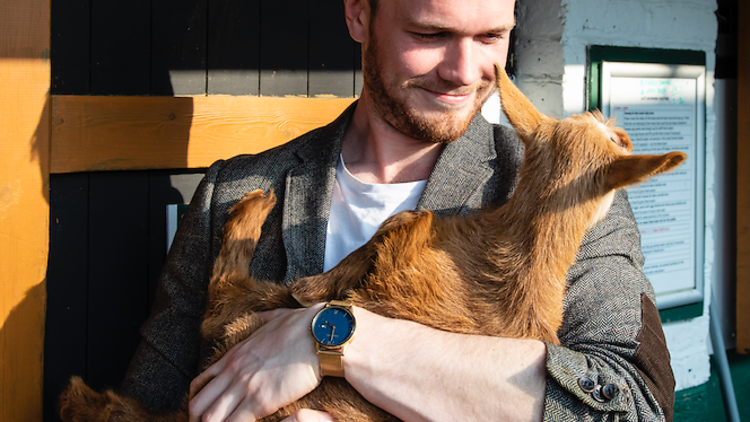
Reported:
(71, 49)
(24, 204)
(284, 47)
(743, 182)
(118, 273)
(115, 133)
(331, 51)
(178, 47)
(67, 281)
(234, 47)
(120, 47)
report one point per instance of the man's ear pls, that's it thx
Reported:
(357, 13)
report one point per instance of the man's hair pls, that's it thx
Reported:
(373, 7)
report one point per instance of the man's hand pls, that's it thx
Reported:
(307, 415)
(275, 366)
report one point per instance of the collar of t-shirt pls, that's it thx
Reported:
(359, 208)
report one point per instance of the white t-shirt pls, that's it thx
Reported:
(358, 209)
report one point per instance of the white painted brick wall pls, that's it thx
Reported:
(539, 54)
(552, 36)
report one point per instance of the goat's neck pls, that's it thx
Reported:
(544, 228)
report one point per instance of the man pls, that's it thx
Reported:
(428, 68)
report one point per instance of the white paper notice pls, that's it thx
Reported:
(660, 116)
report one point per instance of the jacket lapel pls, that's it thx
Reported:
(309, 189)
(455, 184)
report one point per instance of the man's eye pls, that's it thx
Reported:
(492, 38)
(428, 36)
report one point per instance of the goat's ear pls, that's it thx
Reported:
(631, 169)
(623, 139)
(521, 114)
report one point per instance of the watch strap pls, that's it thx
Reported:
(331, 363)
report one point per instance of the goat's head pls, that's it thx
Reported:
(583, 156)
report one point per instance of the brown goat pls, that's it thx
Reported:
(498, 272)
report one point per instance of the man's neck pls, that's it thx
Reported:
(375, 152)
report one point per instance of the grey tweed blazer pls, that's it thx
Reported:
(613, 363)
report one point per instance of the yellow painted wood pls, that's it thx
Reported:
(24, 204)
(743, 182)
(125, 133)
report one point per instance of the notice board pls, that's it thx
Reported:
(658, 97)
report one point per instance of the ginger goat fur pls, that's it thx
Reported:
(498, 272)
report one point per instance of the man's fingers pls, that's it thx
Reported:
(272, 314)
(197, 385)
(230, 407)
(268, 316)
(248, 412)
(213, 399)
(199, 382)
(307, 415)
(210, 373)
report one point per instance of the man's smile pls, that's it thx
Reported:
(450, 98)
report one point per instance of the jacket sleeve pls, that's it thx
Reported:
(168, 356)
(613, 362)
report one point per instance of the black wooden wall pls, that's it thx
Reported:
(108, 229)
(193, 47)
(108, 242)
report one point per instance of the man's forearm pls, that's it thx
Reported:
(421, 374)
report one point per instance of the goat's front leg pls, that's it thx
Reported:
(337, 282)
(241, 234)
(232, 293)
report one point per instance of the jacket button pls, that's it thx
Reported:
(587, 384)
(597, 394)
(610, 391)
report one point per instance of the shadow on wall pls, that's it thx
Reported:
(22, 332)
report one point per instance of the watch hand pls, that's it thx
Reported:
(333, 330)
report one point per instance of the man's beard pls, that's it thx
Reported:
(411, 121)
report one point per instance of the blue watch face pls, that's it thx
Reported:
(333, 326)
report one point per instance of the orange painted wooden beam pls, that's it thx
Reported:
(743, 183)
(24, 204)
(126, 133)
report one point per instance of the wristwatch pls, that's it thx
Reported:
(333, 329)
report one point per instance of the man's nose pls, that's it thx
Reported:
(460, 64)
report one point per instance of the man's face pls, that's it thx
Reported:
(428, 64)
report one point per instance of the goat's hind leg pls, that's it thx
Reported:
(79, 403)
